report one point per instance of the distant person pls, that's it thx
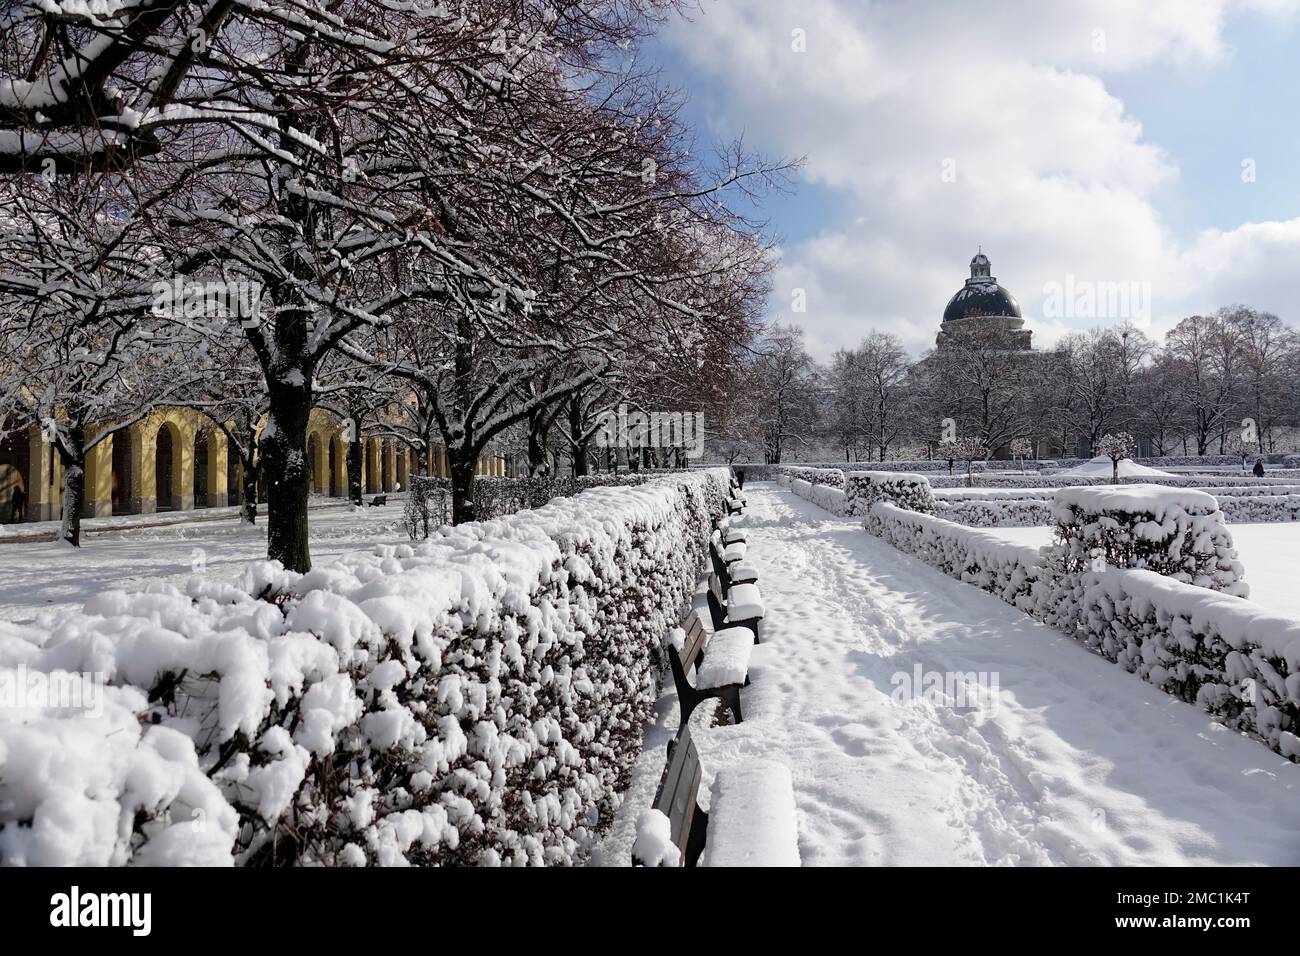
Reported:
(1258, 470)
(740, 477)
(18, 505)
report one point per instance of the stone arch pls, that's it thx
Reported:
(124, 501)
(15, 476)
(372, 474)
(315, 462)
(201, 444)
(168, 478)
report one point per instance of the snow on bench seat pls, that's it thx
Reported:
(752, 817)
(735, 552)
(744, 602)
(742, 574)
(726, 660)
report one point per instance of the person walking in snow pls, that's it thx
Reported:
(1258, 470)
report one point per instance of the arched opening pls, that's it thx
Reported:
(201, 468)
(234, 474)
(122, 503)
(15, 474)
(165, 491)
(313, 463)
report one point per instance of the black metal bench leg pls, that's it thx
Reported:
(732, 698)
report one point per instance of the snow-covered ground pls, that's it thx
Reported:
(36, 577)
(1103, 467)
(1074, 761)
(1270, 552)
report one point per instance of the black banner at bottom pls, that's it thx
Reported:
(138, 907)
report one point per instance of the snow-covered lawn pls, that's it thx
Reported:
(1075, 762)
(50, 576)
(1270, 552)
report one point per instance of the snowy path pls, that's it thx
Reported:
(1075, 762)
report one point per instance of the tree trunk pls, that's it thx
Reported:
(284, 460)
(73, 459)
(536, 442)
(248, 510)
(580, 467)
(1114, 472)
(354, 468)
(462, 462)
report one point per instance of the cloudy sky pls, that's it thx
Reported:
(1154, 144)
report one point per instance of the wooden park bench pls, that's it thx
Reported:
(729, 566)
(740, 606)
(720, 673)
(379, 500)
(751, 820)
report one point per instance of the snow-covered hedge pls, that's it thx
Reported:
(1228, 655)
(976, 557)
(823, 496)
(864, 488)
(428, 502)
(1178, 533)
(1257, 509)
(814, 476)
(477, 698)
(995, 512)
(1079, 481)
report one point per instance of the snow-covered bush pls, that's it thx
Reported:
(814, 476)
(1227, 655)
(1251, 508)
(823, 496)
(975, 557)
(1177, 533)
(477, 698)
(864, 488)
(428, 502)
(994, 512)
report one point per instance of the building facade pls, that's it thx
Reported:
(177, 460)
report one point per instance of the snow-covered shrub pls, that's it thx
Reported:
(995, 512)
(1177, 533)
(1227, 655)
(864, 488)
(1251, 508)
(975, 557)
(477, 698)
(823, 496)
(428, 502)
(814, 476)
(1223, 653)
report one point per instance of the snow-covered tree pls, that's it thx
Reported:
(1117, 448)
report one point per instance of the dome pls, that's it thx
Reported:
(981, 296)
(983, 307)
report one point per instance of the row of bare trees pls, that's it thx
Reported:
(1217, 384)
(451, 224)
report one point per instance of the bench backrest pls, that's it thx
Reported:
(694, 643)
(678, 794)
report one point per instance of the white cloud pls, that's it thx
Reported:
(1052, 175)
